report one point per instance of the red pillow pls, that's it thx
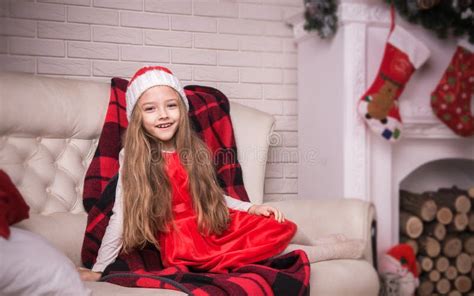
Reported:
(13, 207)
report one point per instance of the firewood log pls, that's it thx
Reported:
(435, 229)
(429, 246)
(420, 205)
(470, 192)
(444, 215)
(441, 263)
(453, 198)
(454, 293)
(434, 275)
(452, 247)
(463, 284)
(463, 263)
(459, 223)
(451, 273)
(471, 222)
(410, 225)
(426, 288)
(443, 286)
(462, 204)
(426, 264)
(468, 243)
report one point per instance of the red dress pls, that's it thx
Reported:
(248, 239)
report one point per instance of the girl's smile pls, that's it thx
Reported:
(160, 112)
(163, 126)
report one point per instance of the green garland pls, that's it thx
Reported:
(444, 17)
(321, 16)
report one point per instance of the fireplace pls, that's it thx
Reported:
(437, 220)
(352, 162)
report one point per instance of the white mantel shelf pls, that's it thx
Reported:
(352, 162)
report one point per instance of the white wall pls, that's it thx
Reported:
(320, 117)
(241, 47)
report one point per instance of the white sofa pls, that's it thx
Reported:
(48, 134)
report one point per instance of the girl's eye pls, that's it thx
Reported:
(149, 108)
(172, 105)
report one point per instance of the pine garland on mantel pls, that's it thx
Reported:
(321, 16)
(444, 17)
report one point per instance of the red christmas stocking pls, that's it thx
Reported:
(379, 105)
(452, 97)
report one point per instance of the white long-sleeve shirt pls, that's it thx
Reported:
(112, 240)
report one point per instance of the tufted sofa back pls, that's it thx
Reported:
(49, 129)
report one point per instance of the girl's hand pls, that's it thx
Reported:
(264, 210)
(89, 275)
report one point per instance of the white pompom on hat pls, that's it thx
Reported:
(147, 77)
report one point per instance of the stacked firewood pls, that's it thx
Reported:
(440, 228)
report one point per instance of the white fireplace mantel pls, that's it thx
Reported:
(351, 161)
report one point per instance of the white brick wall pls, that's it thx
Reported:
(144, 20)
(169, 6)
(73, 2)
(17, 27)
(145, 54)
(3, 45)
(261, 12)
(117, 35)
(64, 66)
(36, 47)
(193, 56)
(120, 4)
(216, 41)
(169, 38)
(193, 23)
(216, 9)
(241, 47)
(66, 31)
(37, 11)
(89, 15)
(90, 50)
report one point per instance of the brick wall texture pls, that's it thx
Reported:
(242, 47)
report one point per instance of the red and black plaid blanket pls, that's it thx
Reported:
(209, 114)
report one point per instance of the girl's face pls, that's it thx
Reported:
(159, 106)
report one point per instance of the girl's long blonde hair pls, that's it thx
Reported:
(147, 188)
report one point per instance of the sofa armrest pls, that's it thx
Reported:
(65, 231)
(317, 218)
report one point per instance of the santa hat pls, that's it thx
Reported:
(404, 255)
(148, 77)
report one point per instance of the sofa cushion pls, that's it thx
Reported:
(31, 266)
(48, 138)
(13, 208)
(344, 277)
(65, 231)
